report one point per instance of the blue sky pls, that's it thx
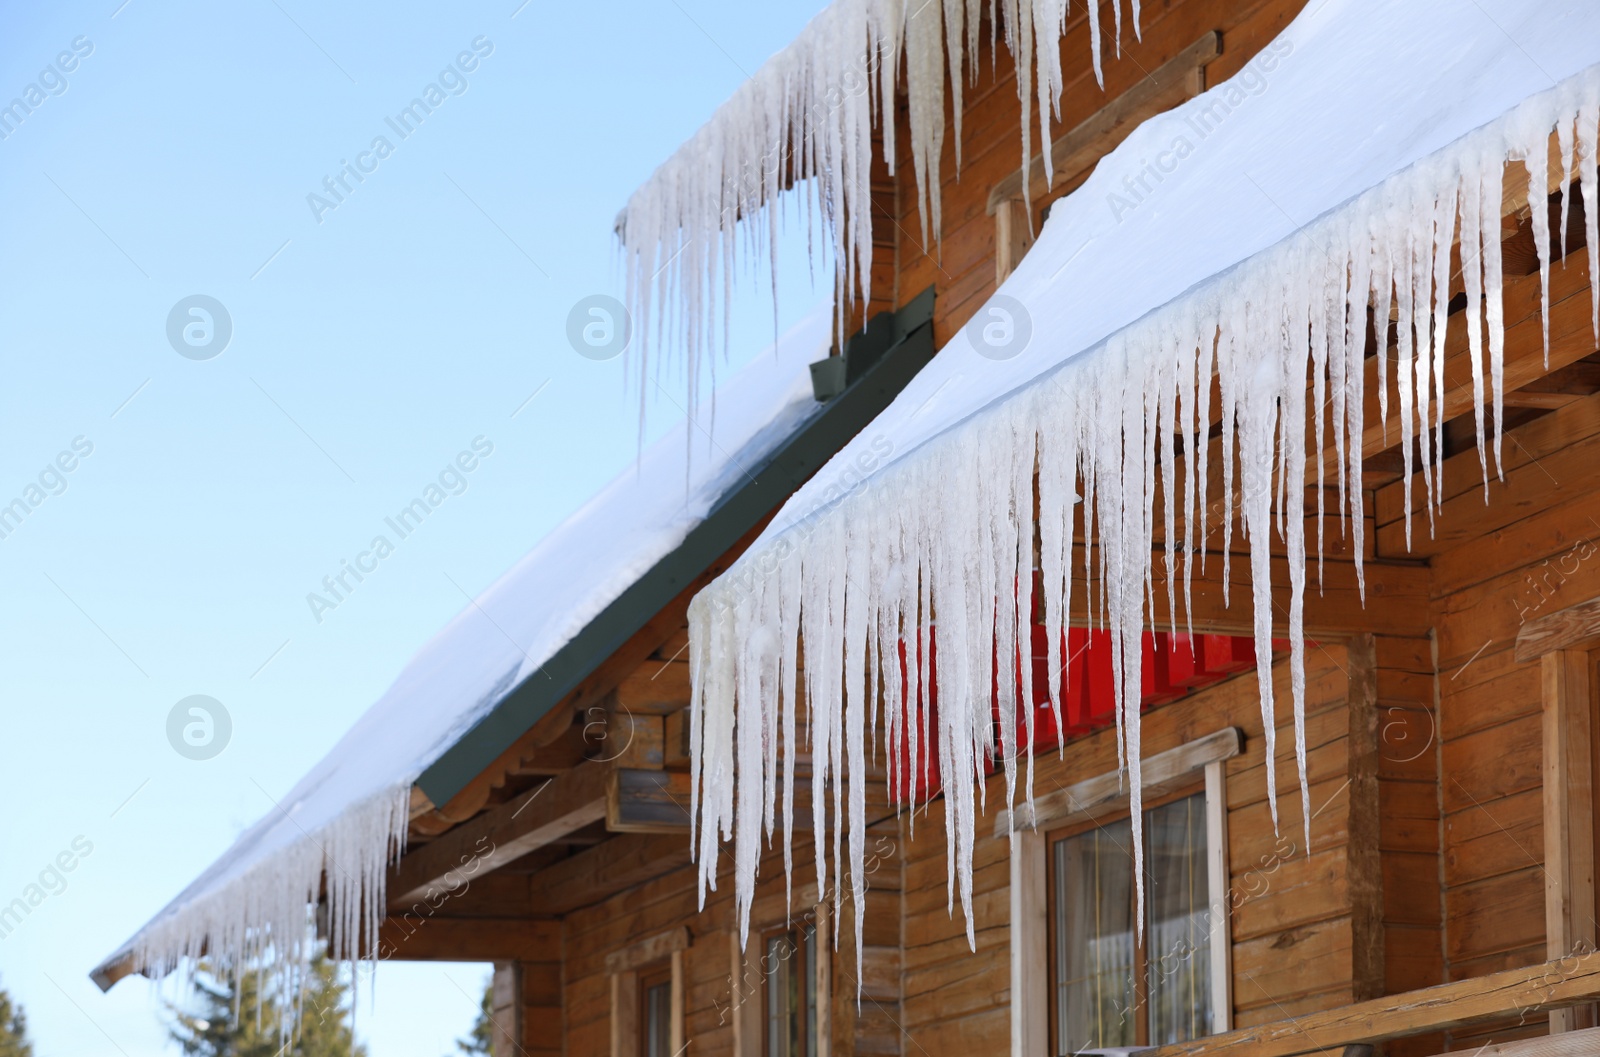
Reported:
(183, 508)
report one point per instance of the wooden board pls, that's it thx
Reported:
(416, 938)
(565, 803)
(1107, 793)
(1552, 985)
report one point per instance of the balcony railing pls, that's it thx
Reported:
(1526, 994)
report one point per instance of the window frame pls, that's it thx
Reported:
(650, 977)
(748, 1009)
(808, 982)
(1100, 797)
(1141, 952)
(632, 971)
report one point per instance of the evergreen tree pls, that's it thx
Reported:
(13, 1029)
(478, 1043)
(248, 1022)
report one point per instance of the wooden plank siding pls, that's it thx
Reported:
(712, 996)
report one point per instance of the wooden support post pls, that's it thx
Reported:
(1364, 869)
(679, 985)
(745, 972)
(1569, 905)
(1217, 881)
(624, 1014)
(824, 981)
(506, 1007)
(1030, 928)
(1013, 237)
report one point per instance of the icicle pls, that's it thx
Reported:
(806, 118)
(1588, 179)
(947, 529)
(1491, 176)
(1537, 151)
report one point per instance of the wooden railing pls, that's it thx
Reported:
(1527, 993)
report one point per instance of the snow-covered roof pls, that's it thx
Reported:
(349, 813)
(1244, 233)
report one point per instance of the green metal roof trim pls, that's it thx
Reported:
(879, 362)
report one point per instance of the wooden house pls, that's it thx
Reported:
(1396, 856)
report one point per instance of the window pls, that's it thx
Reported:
(647, 995)
(655, 1012)
(1112, 988)
(789, 995)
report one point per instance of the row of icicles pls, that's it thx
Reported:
(948, 529)
(807, 117)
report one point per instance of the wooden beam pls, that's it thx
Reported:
(412, 937)
(1217, 878)
(1397, 599)
(656, 687)
(1364, 860)
(1013, 236)
(1398, 596)
(1571, 628)
(744, 968)
(1172, 83)
(607, 868)
(1446, 1007)
(563, 804)
(641, 801)
(1574, 1044)
(1030, 930)
(651, 949)
(1540, 400)
(1095, 796)
(563, 754)
(1179, 79)
(1568, 819)
(679, 992)
(625, 1014)
(505, 1008)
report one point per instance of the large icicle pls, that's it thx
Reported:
(934, 556)
(806, 117)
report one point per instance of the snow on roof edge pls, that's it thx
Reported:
(348, 815)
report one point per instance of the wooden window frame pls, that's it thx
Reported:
(789, 930)
(1564, 644)
(651, 977)
(625, 968)
(1028, 829)
(748, 991)
(1141, 962)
